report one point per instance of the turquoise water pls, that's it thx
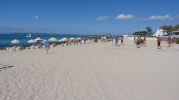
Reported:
(5, 39)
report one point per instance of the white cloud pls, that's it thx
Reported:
(124, 17)
(102, 18)
(177, 17)
(161, 18)
(36, 17)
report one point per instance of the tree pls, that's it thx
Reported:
(168, 29)
(176, 27)
(149, 31)
(165, 27)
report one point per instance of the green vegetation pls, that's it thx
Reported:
(141, 33)
(170, 28)
(177, 41)
(149, 31)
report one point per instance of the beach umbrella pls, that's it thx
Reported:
(78, 38)
(31, 41)
(38, 40)
(63, 40)
(15, 41)
(52, 40)
(44, 41)
(72, 38)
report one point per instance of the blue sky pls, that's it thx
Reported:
(86, 16)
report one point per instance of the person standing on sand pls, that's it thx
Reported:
(134, 40)
(144, 41)
(169, 41)
(116, 41)
(138, 42)
(158, 42)
(47, 46)
(122, 40)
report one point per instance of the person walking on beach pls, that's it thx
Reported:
(158, 42)
(122, 40)
(47, 46)
(169, 41)
(144, 41)
(138, 42)
(134, 40)
(116, 41)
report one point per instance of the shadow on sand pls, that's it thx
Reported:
(116, 47)
(161, 50)
(5, 67)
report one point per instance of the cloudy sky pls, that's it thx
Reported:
(86, 16)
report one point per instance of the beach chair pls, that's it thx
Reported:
(32, 47)
(12, 49)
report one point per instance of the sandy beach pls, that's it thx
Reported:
(98, 71)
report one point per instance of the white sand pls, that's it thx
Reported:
(91, 72)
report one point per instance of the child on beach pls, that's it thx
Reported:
(158, 42)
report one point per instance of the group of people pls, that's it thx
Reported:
(117, 39)
(159, 42)
(141, 41)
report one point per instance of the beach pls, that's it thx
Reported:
(96, 71)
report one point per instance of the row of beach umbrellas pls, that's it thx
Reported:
(39, 40)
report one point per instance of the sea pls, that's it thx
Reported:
(5, 39)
